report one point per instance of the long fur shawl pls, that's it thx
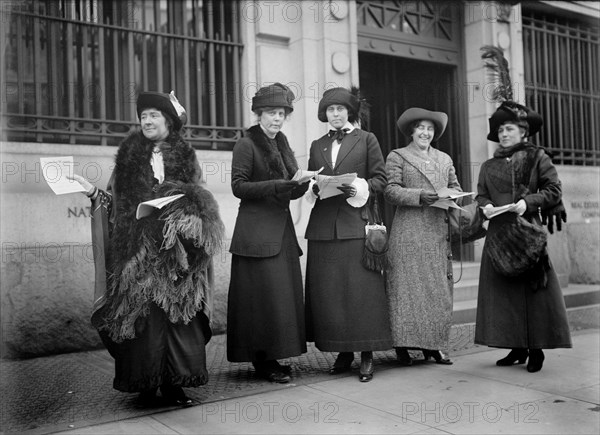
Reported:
(273, 162)
(162, 258)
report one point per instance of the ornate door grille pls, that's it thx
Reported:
(72, 68)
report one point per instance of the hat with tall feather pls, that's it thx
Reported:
(509, 110)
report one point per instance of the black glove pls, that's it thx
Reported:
(428, 198)
(348, 190)
(556, 214)
(316, 189)
(284, 186)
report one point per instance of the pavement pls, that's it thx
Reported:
(72, 393)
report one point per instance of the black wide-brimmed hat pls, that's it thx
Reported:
(509, 111)
(340, 96)
(410, 116)
(166, 103)
(275, 95)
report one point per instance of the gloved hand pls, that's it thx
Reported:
(348, 190)
(520, 207)
(428, 198)
(487, 210)
(316, 189)
(90, 189)
(284, 186)
(556, 214)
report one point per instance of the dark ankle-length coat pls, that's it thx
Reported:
(265, 310)
(512, 312)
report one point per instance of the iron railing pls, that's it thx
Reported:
(72, 68)
(562, 83)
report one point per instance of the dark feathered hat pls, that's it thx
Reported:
(168, 104)
(497, 67)
(275, 95)
(341, 96)
(517, 113)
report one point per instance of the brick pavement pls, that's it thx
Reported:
(47, 394)
(55, 393)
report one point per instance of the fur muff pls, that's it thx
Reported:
(162, 258)
(274, 166)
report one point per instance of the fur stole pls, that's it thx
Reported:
(162, 258)
(278, 168)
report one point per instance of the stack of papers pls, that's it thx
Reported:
(328, 184)
(55, 171)
(302, 175)
(495, 211)
(147, 207)
(447, 197)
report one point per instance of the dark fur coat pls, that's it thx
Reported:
(162, 258)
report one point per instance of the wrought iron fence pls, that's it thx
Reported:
(562, 83)
(72, 68)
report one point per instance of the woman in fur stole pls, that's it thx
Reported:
(154, 274)
(524, 313)
(346, 308)
(265, 313)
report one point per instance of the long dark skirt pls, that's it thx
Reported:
(265, 312)
(346, 305)
(510, 314)
(163, 353)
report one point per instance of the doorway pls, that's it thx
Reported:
(393, 84)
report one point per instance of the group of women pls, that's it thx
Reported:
(154, 274)
(349, 308)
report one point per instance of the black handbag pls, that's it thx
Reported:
(376, 239)
(466, 225)
(519, 245)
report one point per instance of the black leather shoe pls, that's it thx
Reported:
(175, 395)
(283, 368)
(403, 356)
(515, 356)
(342, 364)
(271, 371)
(147, 398)
(366, 367)
(536, 360)
(438, 356)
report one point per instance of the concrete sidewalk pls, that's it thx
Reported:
(73, 393)
(471, 396)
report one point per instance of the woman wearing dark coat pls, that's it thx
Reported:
(265, 315)
(346, 309)
(420, 286)
(525, 313)
(154, 274)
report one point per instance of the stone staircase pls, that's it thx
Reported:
(577, 296)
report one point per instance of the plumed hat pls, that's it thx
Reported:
(275, 95)
(410, 116)
(341, 96)
(168, 104)
(509, 110)
(516, 113)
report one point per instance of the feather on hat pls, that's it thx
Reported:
(509, 110)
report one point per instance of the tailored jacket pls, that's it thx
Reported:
(263, 212)
(333, 218)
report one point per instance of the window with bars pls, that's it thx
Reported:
(562, 83)
(72, 68)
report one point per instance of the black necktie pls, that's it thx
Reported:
(338, 134)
